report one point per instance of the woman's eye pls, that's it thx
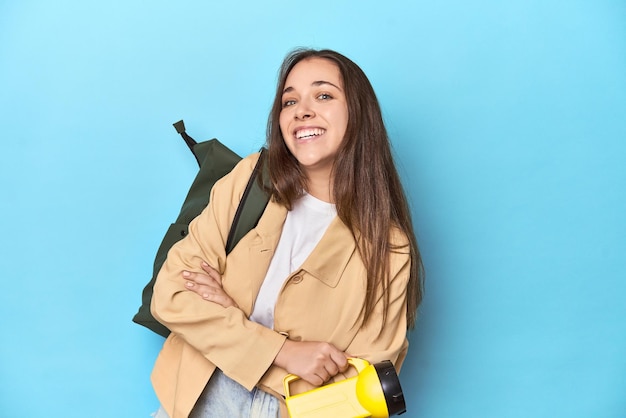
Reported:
(288, 103)
(324, 96)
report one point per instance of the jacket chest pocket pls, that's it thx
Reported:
(308, 309)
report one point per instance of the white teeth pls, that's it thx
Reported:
(306, 133)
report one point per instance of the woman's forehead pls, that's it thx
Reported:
(313, 71)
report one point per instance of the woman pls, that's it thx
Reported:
(332, 269)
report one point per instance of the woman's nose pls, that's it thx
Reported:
(304, 111)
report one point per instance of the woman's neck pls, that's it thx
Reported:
(320, 186)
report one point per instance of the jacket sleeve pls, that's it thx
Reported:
(242, 349)
(386, 339)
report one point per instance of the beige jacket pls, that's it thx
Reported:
(321, 301)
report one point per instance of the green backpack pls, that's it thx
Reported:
(215, 161)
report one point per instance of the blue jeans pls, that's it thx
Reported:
(223, 397)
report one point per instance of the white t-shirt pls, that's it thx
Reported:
(304, 227)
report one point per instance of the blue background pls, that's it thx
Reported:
(508, 120)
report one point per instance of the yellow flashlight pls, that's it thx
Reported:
(374, 392)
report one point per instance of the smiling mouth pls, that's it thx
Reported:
(309, 133)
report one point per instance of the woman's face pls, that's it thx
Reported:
(314, 115)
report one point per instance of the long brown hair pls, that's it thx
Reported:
(367, 191)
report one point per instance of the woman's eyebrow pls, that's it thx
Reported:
(322, 82)
(315, 83)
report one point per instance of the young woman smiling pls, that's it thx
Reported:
(332, 269)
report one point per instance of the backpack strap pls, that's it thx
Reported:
(252, 205)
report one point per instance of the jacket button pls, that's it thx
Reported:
(296, 279)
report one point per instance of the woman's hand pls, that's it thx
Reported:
(315, 362)
(208, 286)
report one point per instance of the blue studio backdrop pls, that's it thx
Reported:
(508, 121)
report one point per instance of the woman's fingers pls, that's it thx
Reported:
(315, 362)
(340, 359)
(214, 274)
(208, 286)
(331, 369)
(201, 279)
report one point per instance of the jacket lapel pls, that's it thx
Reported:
(331, 255)
(263, 241)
